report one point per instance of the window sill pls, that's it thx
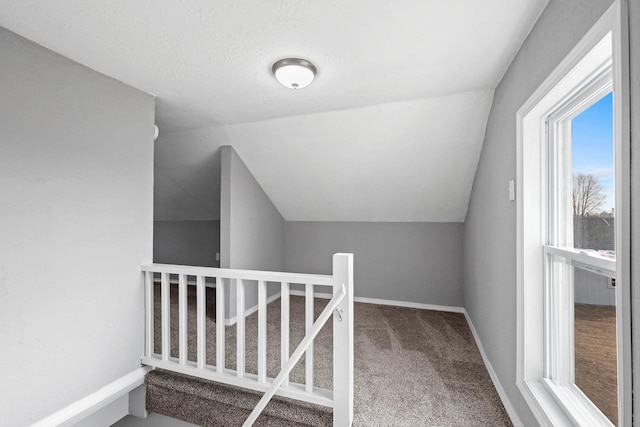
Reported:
(592, 261)
(543, 404)
(561, 406)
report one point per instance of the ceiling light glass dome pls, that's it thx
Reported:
(294, 73)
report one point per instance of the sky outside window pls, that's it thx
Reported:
(592, 146)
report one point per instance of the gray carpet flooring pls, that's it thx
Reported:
(412, 368)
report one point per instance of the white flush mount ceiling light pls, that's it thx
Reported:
(294, 73)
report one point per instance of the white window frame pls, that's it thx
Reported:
(560, 254)
(553, 402)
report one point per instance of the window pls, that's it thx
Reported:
(573, 238)
(580, 365)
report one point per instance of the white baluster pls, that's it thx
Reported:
(219, 325)
(284, 328)
(308, 325)
(148, 303)
(262, 331)
(182, 319)
(240, 327)
(343, 342)
(166, 345)
(201, 322)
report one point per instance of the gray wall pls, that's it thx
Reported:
(415, 262)
(490, 226)
(251, 227)
(76, 188)
(186, 242)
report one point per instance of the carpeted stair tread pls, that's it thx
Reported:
(212, 404)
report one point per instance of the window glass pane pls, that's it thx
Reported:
(593, 178)
(558, 320)
(596, 370)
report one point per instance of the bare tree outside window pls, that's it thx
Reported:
(588, 195)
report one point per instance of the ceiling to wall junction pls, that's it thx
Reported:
(391, 129)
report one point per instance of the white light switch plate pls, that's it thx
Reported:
(512, 190)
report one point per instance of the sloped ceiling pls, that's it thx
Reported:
(395, 117)
(406, 161)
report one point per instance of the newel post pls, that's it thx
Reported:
(343, 342)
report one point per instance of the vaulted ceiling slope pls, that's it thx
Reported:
(404, 161)
(407, 85)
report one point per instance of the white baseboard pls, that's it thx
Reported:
(494, 377)
(190, 282)
(389, 302)
(315, 295)
(409, 304)
(233, 320)
(94, 402)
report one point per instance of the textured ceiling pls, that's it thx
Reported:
(406, 84)
(208, 61)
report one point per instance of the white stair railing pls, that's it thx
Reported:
(297, 354)
(341, 307)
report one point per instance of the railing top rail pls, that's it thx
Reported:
(227, 273)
